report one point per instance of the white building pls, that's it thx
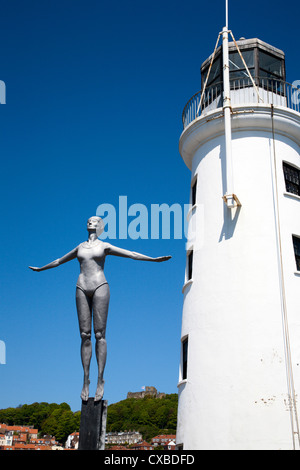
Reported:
(121, 438)
(6, 439)
(240, 355)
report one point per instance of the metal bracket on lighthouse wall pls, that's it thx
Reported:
(92, 425)
(231, 200)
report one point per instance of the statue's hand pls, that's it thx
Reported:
(34, 269)
(162, 258)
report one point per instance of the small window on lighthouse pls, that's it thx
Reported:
(190, 265)
(194, 192)
(296, 242)
(292, 179)
(184, 358)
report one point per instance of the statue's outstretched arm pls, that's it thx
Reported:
(64, 259)
(113, 250)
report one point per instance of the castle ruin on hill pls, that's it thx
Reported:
(149, 391)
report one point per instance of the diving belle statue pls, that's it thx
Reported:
(92, 296)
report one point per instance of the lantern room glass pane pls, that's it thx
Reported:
(236, 63)
(270, 66)
(215, 74)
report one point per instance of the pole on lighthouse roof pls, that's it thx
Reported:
(226, 14)
(230, 198)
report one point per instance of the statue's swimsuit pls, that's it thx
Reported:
(91, 259)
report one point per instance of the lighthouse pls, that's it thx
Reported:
(239, 374)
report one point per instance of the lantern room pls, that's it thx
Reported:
(264, 62)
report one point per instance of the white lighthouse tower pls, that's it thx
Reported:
(239, 382)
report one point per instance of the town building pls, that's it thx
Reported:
(121, 438)
(142, 446)
(168, 441)
(72, 441)
(25, 438)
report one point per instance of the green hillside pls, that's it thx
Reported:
(148, 415)
(53, 419)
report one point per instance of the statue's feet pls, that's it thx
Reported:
(85, 391)
(100, 390)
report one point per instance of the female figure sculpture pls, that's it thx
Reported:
(92, 296)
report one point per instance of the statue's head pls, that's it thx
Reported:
(95, 223)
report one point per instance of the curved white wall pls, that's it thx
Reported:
(235, 395)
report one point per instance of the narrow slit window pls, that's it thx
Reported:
(292, 179)
(184, 358)
(190, 265)
(296, 242)
(194, 192)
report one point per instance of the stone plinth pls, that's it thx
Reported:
(92, 425)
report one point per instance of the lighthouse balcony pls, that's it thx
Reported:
(243, 91)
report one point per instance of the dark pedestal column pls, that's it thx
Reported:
(92, 425)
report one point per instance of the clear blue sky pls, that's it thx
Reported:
(95, 92)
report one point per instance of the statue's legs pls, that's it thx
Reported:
(100, 310)
(84, 310)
